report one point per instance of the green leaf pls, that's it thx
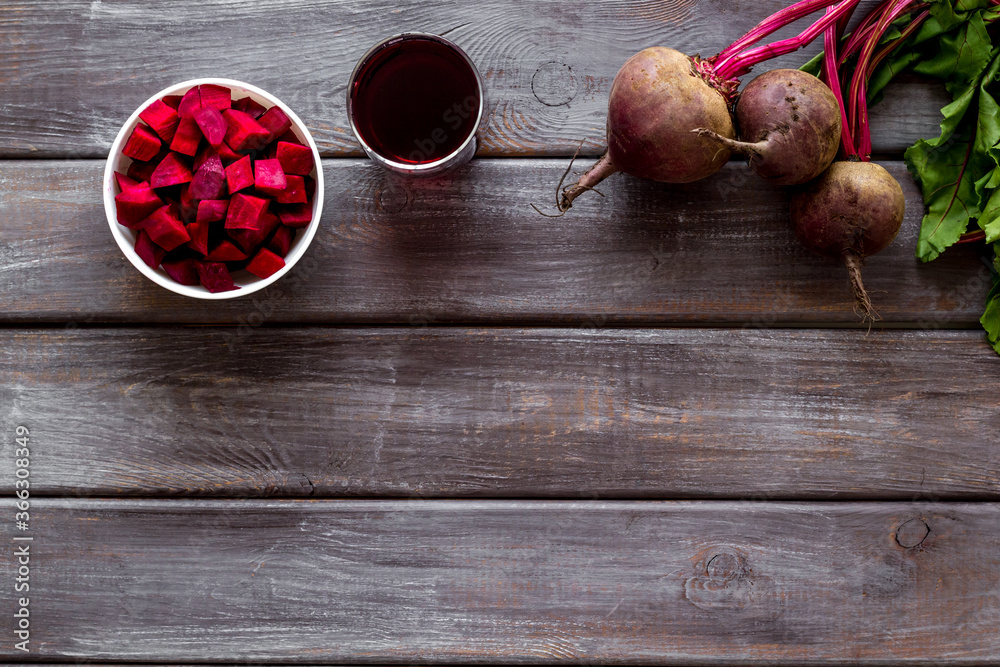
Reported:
(815, 64)
(991, 317)
(960, 56)
(989, 221)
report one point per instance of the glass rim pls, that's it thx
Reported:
(396, 165)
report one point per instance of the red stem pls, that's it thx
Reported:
(904, 34)
(861, 34)
(830, 39)
(972, 237)
(772, 23)
(742, 63)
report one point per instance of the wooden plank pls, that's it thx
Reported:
(444, 412)
(74, 69)
(519, 582)
(469, 249)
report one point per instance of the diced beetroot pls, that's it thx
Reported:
(198, 231)
(276, 121)
(162, 119)
(226, 252)
(165, 229)
(216, 97)
(294, 192)
(210, 181)
(239, 174)
(295, 216)
(295, 159)
(124, 182)
(281, 241)
(171, 171)
(310, 187)
(245, 212)
(291, 138)
(173, 101)
(244, 133)
(249, 239)
(250, 107)
(215, 276)
(188, 205)
(183, 271)
(150, 253)
(190, 103)
(265, 264)
(268, 177)
(212, 125)
(136, 204)
(211, 210)
(227, 154)
(141, 171)
(187, 137)
(142, 144)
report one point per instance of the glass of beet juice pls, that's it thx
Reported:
(416, 102)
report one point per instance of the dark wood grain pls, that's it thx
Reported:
(737, 413)
(469, 249)
(73, 70)
(522, 582)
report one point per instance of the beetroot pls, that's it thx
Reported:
(294, 192)
(136, 204)
(244, 133)
(124, 182)
(295, 158)
(295, 215)
(215, 97)
(215, 276)
(150, 253)
(198, 231)
(245, 212)
(265, 264)
(250, 107)
(212, 125)
(276, 121)
(182, 271)
(239, 175)
(162, 119)
(225, 251)
(209, 181)
(790, 125)
(173, 101)
(171, 171)
(142, 144)
(212, 210)
(853, 210)
(281, 241)
(268, 177)
(190, 103)
(660, 98)
(249, 239)
(187, 137)
(165, 229)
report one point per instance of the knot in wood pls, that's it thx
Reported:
(912, 533)
(554, 84)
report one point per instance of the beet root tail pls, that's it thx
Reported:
(593, 176)
(741, 147)
(862, 302)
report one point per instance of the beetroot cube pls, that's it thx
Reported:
(142, 144)
(244, 133)
(268, 177)
(310, 187)
(239, 174)
(227, 154)
(182, 271)
(215, 276)
(124, 182)
(291, 138)
(226, 252)
(162, 119)
(219, 98)
(210, 180)
(250, 107)
(188, 205)
(294, 193)
(245, 212)
(198, 231)
(295, 215)
(173, 101)
(249, 239)
(136, 204)
(265, 264)
(276, 121)
(171, 171)
(190, 103)
(142, 171)
(187, 137)
(281, 241)
(211, 210)
(150, 253)
(165, 229)
(212, 125)
(295, 159)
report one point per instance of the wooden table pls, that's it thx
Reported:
(651, 431)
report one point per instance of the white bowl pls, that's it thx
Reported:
(247, 282)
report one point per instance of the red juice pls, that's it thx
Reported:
(415, 100)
